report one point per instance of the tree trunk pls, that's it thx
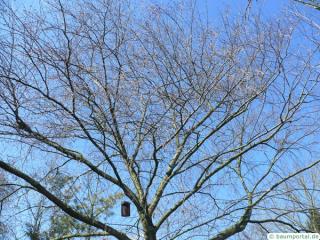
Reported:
(150, 232)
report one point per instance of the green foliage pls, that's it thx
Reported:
(62, 224)
(95, 205)
(33, 232)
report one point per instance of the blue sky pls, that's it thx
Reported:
(269, 8)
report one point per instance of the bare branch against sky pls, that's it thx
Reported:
(199, 124)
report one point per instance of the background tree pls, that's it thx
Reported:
(6, 191)
(314, 221)
(197, 124)
(48, 222)
(93, 204)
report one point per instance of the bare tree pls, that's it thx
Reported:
(310, 3)
(298, 210)
(196, 124)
